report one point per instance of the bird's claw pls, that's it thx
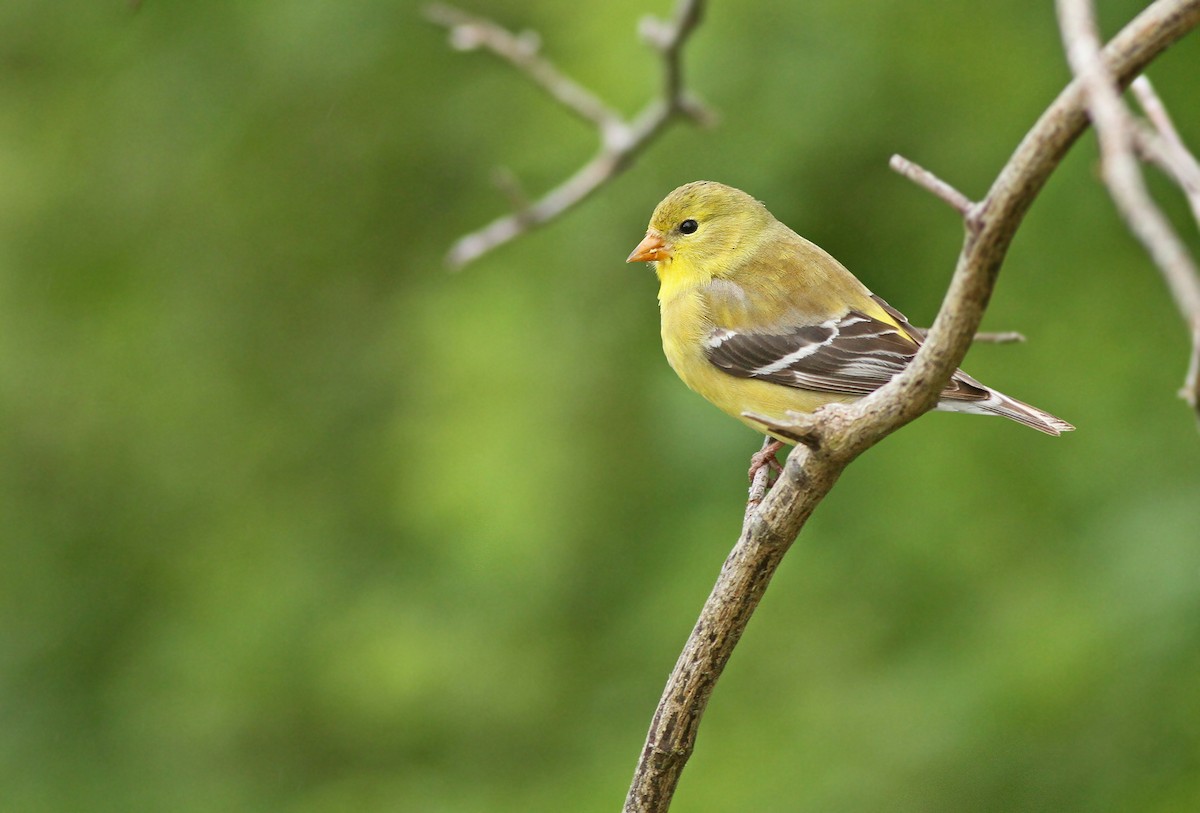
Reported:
(766, 457)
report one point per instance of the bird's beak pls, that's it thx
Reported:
(652, 248)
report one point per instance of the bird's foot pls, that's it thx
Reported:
(766, 457)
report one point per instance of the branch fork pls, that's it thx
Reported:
(1122, 137)
(621, 140)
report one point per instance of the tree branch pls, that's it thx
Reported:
(1119, 134)
(1175, 158)
(621, 140)
(836, 435)
(986, 337)
(935, 185)
(1181, 164)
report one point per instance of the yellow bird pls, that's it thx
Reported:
(757, 319)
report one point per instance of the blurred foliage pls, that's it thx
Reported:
(295, 521)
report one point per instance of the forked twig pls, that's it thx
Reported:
(621, 140)
(1120, 136)
(927, 180)
(1176, 159)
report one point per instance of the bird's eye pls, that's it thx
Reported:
(688, 226)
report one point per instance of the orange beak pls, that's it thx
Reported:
(652, 248)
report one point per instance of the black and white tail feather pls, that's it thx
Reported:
(855, 355)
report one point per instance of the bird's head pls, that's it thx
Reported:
(702, 231)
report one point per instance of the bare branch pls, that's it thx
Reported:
(621, 140)
(841, 432)
(668, 38)
(927, 180)
(1181, 164)
(509, 185)
(1178, 161)
(1117, 133)
(468, 32)
(984, 337)
(1152, 148)
(1190, 391)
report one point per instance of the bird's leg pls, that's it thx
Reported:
(766, 457)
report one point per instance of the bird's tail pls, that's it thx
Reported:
(997, 403)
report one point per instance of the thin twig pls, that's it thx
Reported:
(846, 430)
(1190, 391)
(668, 37)
(469, 32)
(1116, 131)
(509, 185)
(621, 140)
(985, 337)
(1152, 148)
(1179, 162)
(927, 180)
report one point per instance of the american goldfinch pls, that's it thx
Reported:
(757, 319)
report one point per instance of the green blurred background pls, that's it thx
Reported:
(293, 520)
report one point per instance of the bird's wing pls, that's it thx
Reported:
(853, 354)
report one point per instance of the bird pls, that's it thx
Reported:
(762, 322)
